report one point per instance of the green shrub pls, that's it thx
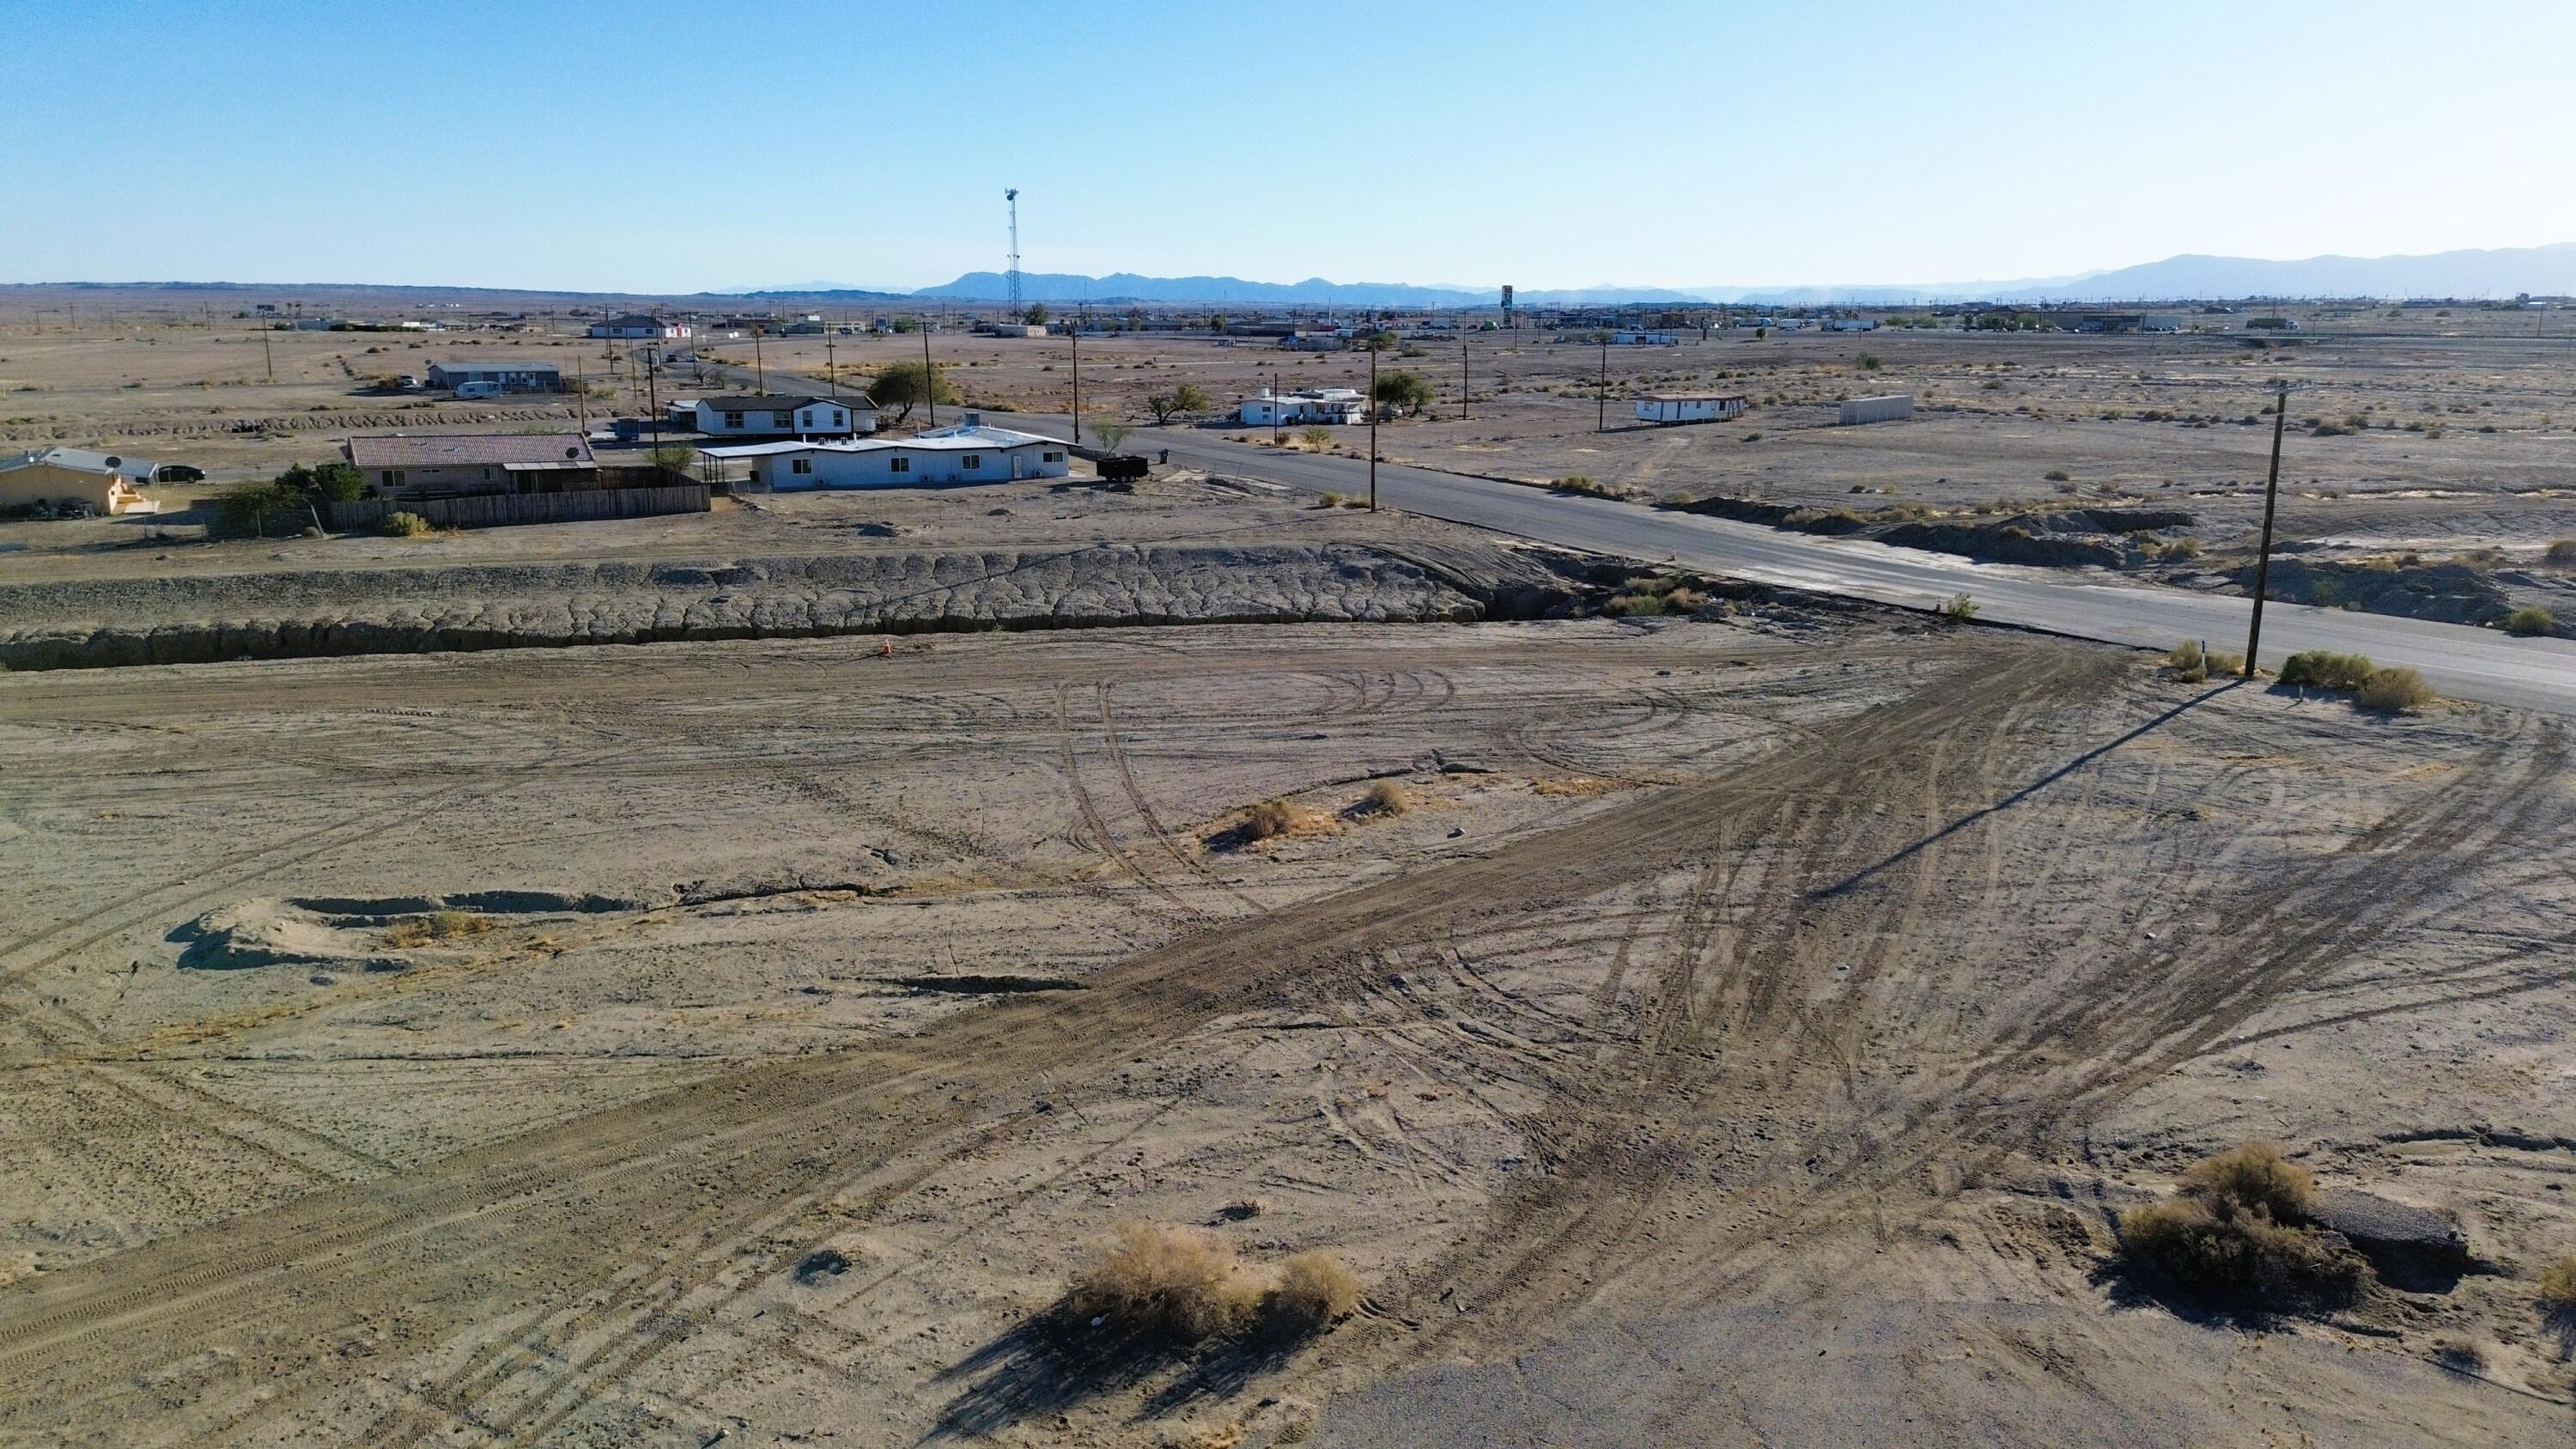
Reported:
(1639, 605)
(2326, 669)
(2396, 690)
(2055, 475)
(1958, 609)
(2528, 620)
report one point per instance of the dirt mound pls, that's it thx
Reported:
(2004, 543)
(272, 932)
(2449, 593)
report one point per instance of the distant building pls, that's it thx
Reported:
(506, 376)
(2271, 324)
(1851, 324)
(638, 324)
(1644, 339)
(1316, 340)
(1886, 408)
(768, 415)
(1290, 409)
(418, 465)
(1708, 408)
(971, 452)
(101, 482)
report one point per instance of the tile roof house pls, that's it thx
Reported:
(403, 465)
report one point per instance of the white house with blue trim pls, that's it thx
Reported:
(971, 452)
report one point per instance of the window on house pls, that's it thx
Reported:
(733, 420)
(898, 465)
(839, 418)
(487, 475)
(803, 465)
(387, 477)
(974, 460)
(782, 421)
(809, 420)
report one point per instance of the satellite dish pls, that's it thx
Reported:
(116, 462)
(572, 452)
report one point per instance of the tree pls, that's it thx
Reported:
(332, 482)
(1111, 435)
(1216, 322)
(677, 457)
(904, 384)
(249, 506)
(1404, 391)
(1379, 341)
(1189, 397)
(1036, 316)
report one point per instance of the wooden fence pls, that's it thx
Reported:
(493, 510)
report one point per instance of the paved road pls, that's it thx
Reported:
(2463, 663)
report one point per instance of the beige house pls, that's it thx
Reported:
(57, 476)
(442, 465)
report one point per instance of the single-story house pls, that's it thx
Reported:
(772, 415)
(968, 453)
(104, 482)
(638, 324)
(1702, 408)
(418, 465)
(507, 376)
(1290, 409)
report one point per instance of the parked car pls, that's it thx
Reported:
(178, 473)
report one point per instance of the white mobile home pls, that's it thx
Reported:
(1705, 409)
(1291, 409)
(1884, 409)
(768, 415)
(970, 453)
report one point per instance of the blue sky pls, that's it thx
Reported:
(678, 148)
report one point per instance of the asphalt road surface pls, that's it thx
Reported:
(2463, 663)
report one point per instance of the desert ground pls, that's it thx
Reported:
(1748, 1032)
(1750, 1020)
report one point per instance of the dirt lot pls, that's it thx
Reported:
(1747, 1034)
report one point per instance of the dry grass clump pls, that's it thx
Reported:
(2326, 669)
(1387, 797)
(2188, 663)
(1585, 484)
(1575, 786)
(439, 925)
(1169, 1281)
(1165, 1279)
(1314, 1289)
(1273, 818)
(2237, 1234)
(2396, 690)
(2558, 1285)
(406, 525)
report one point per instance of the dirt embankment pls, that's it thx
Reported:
(98, 624)
(2053, 538)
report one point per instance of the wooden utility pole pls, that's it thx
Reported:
(1464, 387)
(1276, 404)
(267, 358)
(1372, 407)
(760, 369)
(2271, 498)
(929, 379)
(1602, 422)
(1075, 332)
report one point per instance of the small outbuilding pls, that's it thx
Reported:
(504, 376)
(57, 478)
(1886, 408)
(1702, 408)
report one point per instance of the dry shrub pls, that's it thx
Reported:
(406, 525)
(1574, 785)
(2185, 662)
(1314, 1290)
(1275, 817)
(2326, 669)
(1164, 1279)
(2235, 1235)
(439, 925)
(2561, 551)
(2528, 620)
(1634, 606)
(2395, 689)
(2558, 1285)
(408, 932)
(1387, 797)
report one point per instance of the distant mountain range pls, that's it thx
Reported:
(2504, 272)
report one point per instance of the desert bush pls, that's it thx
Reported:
(1164, 1279)
(1317, 437)
(1635, 606)
(408, 932)
(1583, 483)
(403, 524)
(2558, 1284)
(2236, 1234)
(2055, 475)
(2561, 551)
(2181, 548)
(1958, 609)
(2326, 669)
(439, 925)
(2396, 689)
(2528, 620)
(1332, 499)
(1314, 1289)
(1387, 797)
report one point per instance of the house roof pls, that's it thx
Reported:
(511, 365)
(635, 319)
(778, 402)
(454, 450)
(82, 460)
(945, 440)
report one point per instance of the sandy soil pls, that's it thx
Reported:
(1747, 1037)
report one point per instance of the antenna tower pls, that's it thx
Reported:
(1013, 197)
